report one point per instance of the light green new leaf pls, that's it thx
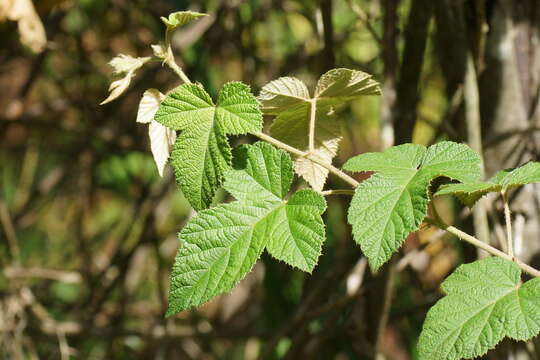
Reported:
(202, 153)
(484, 303)
(392, 203)
(289, 99)
(502, 180)
(221, 244)
(180, 18)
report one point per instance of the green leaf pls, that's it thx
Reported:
(180, 18)
(288, 98)
(221, 244)
(484, 303)
(202, 153)
(502, 180)
(392, 203)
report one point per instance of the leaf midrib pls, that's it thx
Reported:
(460, 326)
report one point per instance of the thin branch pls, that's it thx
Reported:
(34, 272)
(337, 192)
(482, 245)
(308, 156)
(508, 220)
(365, 19)
(169, 60)
(9, 230)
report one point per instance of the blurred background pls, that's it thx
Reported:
(88, 229)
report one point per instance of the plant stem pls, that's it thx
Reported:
(482, 245)
(508, 220)
(174, 66)
(312, 115)
(334, 170)
(337, 192)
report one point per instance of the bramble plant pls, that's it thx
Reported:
(485, 301)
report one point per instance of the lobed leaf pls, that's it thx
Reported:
(484, 303)
(202, 154)
(221, 244)
(469, 193)
(392, 203)
(288, 98)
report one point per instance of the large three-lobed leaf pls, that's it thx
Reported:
(501, 181)
(392, 203)
(485, 302)
(202, 153)
(288, 98)
(220, 245)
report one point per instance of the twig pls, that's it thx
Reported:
(482, 245)
(508, 220)
(364, 18)
(308, 156)
(9, 230)
(169, 60)
(58, 275)
(337, 192)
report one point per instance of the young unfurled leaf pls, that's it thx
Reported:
(123, 65)
(392, 203)
(469, 193)
(221, 244)
(179, 18)
(484, 303)
(161, 137)
(289, 99)
(202, 153)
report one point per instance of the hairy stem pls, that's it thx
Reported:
(313, 112)
(334, 170)
(169, 60)
(337, 192)
(508, 220)
(482, 245)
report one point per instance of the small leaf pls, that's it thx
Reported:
(161, 137)
(484, 303)
(289, 99)
(202, 153)
(127, 65)
(392, 203)
(221, 244)
(123, 64)
(180, 18)
(149, 105)
(117, 88)
(161, 141)
(469, 193)
(345, 84)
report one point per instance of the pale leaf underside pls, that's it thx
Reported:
(289, 99)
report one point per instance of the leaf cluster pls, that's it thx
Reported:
(485, 301)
